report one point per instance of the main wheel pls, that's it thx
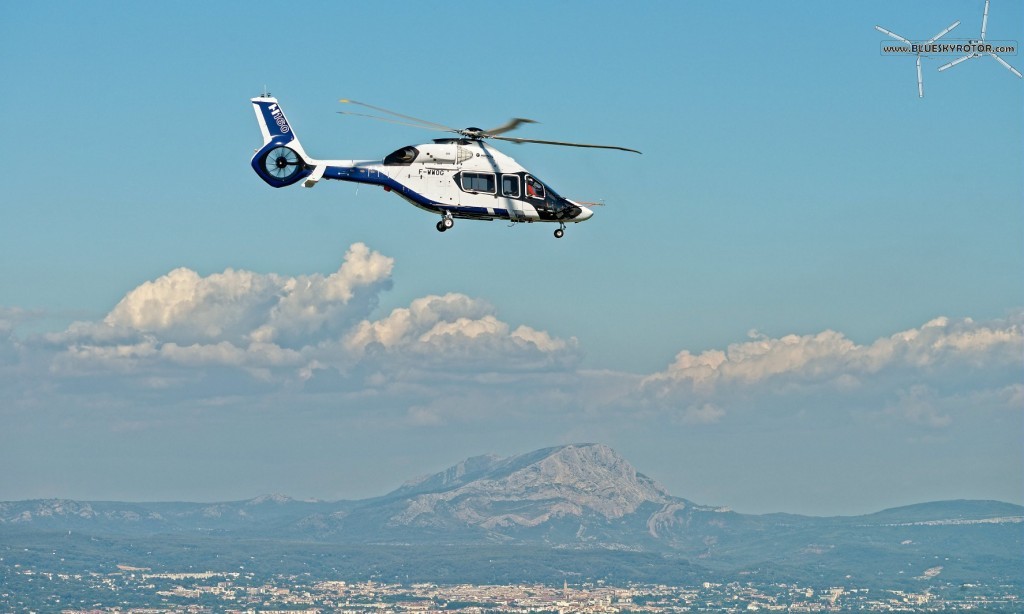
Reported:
(559, 233)
(448, 222)
(441, 227)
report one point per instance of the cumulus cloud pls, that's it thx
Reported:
(296, 329)
(830, 354)
(447, 358)
(406, 325)
(244, 307)
(460, 331)
(915, 370)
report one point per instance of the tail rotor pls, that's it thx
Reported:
(282, 163)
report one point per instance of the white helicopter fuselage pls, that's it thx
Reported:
(453, 177)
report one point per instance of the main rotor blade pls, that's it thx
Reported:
(396, 114)
(513, 139)
(508, 126)
(955, 62)
(1008, 67)
(944, 32)
(392, 121)
(896, 36)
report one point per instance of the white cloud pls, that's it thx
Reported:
(240, 319)
(830, 354)
(451, 358)
(243, 306)
(407, 325)
(298, 329)
(913, 373)
(455, 330)
(539, 339)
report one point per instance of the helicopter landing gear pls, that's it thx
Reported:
(560, 231)
(445, 223)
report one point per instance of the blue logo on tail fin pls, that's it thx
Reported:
(274, 122)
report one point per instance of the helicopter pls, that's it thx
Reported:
(458, 177)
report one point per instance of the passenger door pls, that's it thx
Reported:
(508, 197)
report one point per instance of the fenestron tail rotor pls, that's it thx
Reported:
(282, 162)
(475, 134)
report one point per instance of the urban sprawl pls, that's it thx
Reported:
(138, 590)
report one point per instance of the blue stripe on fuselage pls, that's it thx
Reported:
(372, 176)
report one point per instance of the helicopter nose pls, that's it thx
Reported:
(585, 214)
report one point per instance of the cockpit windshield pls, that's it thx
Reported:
(543, 198)
(534, 188)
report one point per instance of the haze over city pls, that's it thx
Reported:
(805, 295)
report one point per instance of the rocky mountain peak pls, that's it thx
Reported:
(527, 490)
(590, 465)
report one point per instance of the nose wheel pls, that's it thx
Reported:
(560, 232)
(445, 223)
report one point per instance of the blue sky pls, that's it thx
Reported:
(805, 296)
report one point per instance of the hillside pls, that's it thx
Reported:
(583, 498)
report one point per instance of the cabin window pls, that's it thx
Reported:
(478, 182)
(510, 186)
(534, 188)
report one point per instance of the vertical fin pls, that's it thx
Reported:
(273, 124)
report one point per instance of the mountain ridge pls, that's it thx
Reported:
(576, 497)
(585, 474)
